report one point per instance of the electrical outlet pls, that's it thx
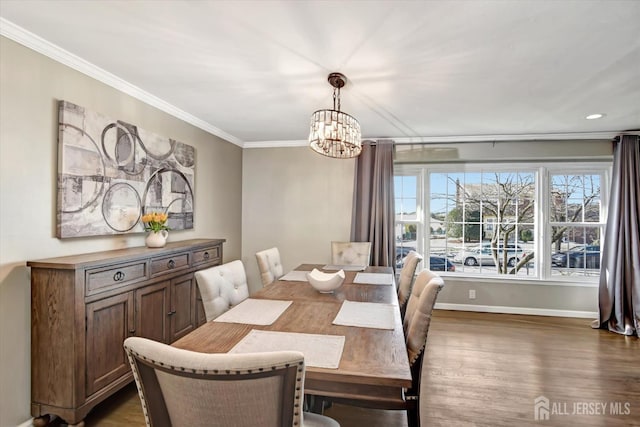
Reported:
(472, 294)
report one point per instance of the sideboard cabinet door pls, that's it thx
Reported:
(109, 323)
(183, 306)
(152, 312)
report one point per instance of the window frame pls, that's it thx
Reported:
(542, 214)
(419, 221)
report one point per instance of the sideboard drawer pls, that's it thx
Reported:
(169, 264)
(206, 255)
(102, 279)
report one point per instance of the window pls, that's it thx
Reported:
(526, 221)
(576, 224)
(406, 190)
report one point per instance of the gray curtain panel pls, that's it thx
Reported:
(619, 296)
(373, 214)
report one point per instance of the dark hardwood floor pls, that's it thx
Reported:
(486, 369)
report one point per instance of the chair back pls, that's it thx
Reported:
(351, 253)
(181, 388)
(405, 283)
(421, 303)
(425, 277)
(221, 287)
(269, 265)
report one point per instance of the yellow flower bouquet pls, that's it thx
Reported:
(155, 221)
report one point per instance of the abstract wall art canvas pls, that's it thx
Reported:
(111, 172)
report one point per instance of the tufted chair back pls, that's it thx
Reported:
(418, 327)
(406, 279)
(182, 388)
(351, 253)
(425, 278)
(270, 265)
(221, 287)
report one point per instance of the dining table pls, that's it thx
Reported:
(373, 362)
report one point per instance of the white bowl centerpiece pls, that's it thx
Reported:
(325, 282)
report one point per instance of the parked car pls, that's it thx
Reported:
(436, 263)
(401, 254)
(482, 255)
(440, 263)
(578, 257)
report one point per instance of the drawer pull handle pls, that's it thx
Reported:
(206, 255)
(118, 277)
(171, 263)
(171, 313)
(132, 331)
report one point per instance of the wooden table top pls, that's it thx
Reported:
(374, 361)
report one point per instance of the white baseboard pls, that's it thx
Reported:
(517, 310)
(28, 423)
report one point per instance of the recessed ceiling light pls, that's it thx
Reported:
(594, 116)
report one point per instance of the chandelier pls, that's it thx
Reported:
(334, 133)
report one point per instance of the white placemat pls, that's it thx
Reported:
(296, 276)
(321, 351)
(374, 278)
(255, 312)
(366, 315)
(349, 267)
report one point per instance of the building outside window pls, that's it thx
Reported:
(517, 221)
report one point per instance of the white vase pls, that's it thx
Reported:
(156, 239)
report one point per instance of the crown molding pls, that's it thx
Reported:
(455, 139)
(20, 35)
(276, 144)
(513, 137)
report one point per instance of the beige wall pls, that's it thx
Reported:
(30, 86)
(296, 200)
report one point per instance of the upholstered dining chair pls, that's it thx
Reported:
(181, 388)
(421, 302)
(221, 287)
(425, 277)
(269, 265)
(351, 253)
(405, 282)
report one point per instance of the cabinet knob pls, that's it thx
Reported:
(206, 255)
(132, 331)
(171, 313)
(118, 277)
(171, 263)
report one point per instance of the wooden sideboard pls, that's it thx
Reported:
(83, 307)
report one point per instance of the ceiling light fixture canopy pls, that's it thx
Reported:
(334, 133)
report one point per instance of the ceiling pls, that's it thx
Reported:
(252, 72)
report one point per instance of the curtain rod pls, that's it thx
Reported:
(631, 133)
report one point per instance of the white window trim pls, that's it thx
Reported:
(542, 232)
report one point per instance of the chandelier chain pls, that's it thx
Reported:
(336, 96)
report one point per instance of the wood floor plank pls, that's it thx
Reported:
(485, 369)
